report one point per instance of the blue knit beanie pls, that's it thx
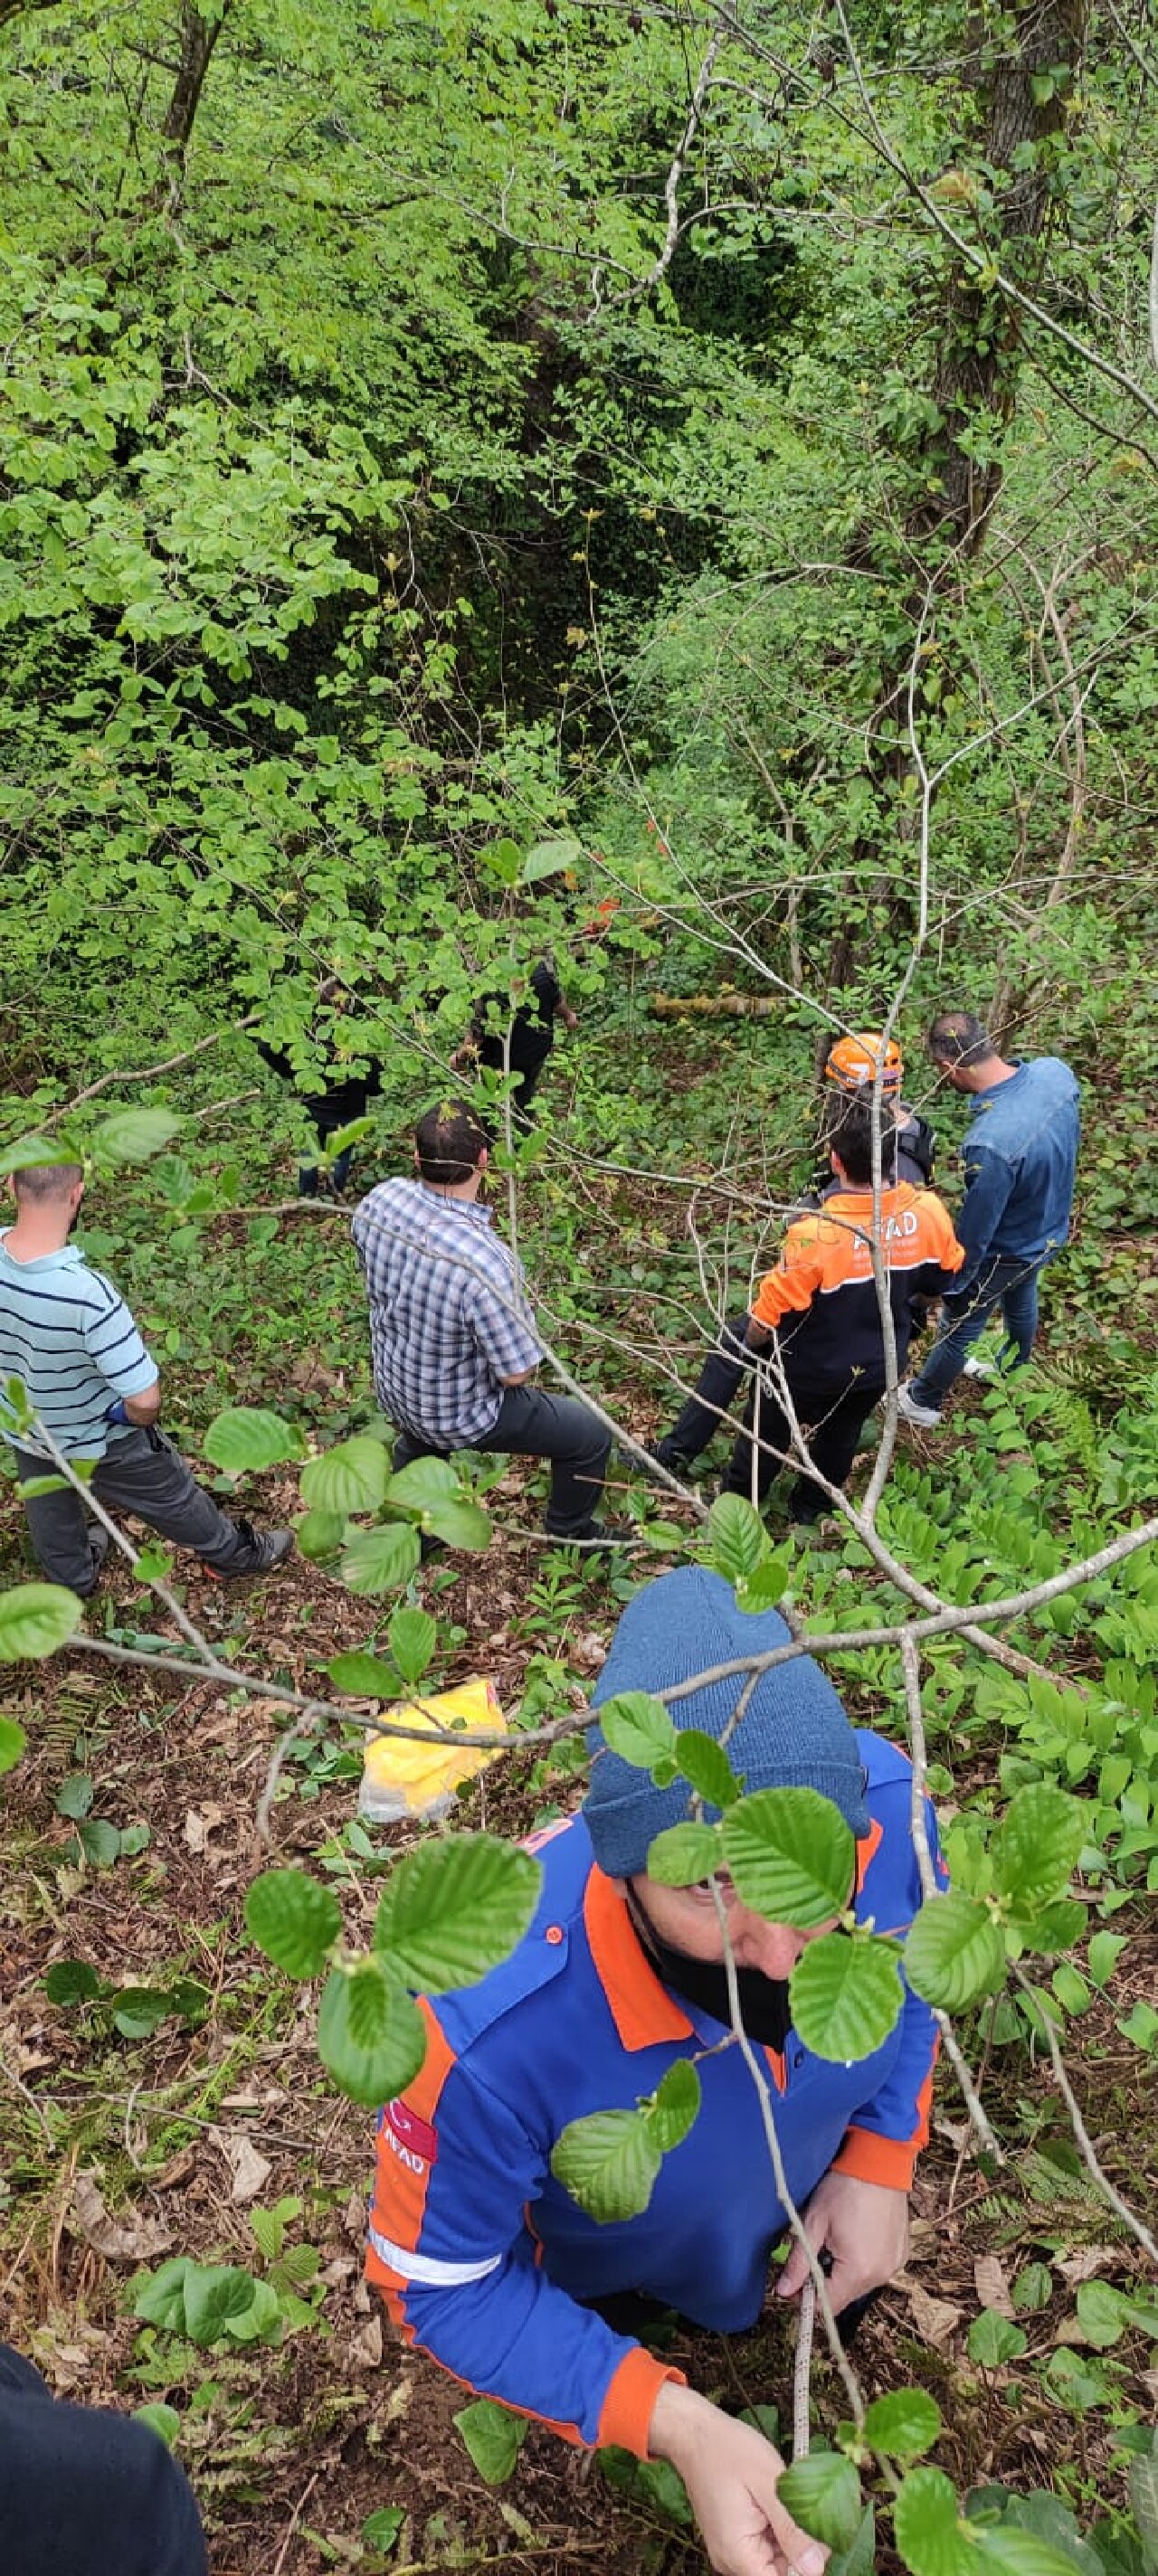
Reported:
(793, 1734)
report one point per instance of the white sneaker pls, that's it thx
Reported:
(922, 1415)
(978, 1368)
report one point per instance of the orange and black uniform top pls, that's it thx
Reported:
(821, 1298)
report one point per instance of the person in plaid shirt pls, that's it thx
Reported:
(451, 1332)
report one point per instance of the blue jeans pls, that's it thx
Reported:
(1010, 1284)
(309, 1176)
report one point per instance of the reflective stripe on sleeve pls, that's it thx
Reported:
(423, 2269)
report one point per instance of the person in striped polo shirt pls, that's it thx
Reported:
(70, 1340)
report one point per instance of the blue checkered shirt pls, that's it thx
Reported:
(449, 1318)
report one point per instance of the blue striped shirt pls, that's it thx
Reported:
(70, 1339)
(449, 1319)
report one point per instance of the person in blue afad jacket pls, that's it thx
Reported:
(1020, 1156)
(484, 2260)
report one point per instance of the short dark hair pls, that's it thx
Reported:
(850, 1134)
(959, 1037)
(47, 1180)
(449, 1141)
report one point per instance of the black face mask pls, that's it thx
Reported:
(764, 2006)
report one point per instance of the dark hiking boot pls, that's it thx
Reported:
(665, 1456)
(263, 1550)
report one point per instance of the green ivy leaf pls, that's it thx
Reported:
(1035, 1848)
(735, 1539)
(370, 2035)
(791, 1856)
(413, 1638)
(903, 2424)
(293, 1920)
(928, 2529)
(351, 1478)
(822, 2493)
(364, 1676)
(638, 1728)
(381, 1560)
(494, 2437)
(684, 1854)
(459, 1524)
(425, 1482)
(160, 2296)
(71, 1981)
(453, 1909)
(36, 1618)
(242, 1439)
(994, 2340)
(846, 1995)
(13, 1743)
(133, 1135)
(954, 1952)
(705, 1763)
(674, 2107)
(608, 2162)
(215, 2292)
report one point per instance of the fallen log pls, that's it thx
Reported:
(723, 1005)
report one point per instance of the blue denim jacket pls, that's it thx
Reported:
(1019, 1158)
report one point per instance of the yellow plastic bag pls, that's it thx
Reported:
(401, 1778)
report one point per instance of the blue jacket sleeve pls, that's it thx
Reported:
(452, 2249)
(989, 1180)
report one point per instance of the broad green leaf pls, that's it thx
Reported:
(548, 857)
(846, 1995)
(319, 1535)
(140, 2011)
(71, 1981)
(1102, 2313)
(364, 1676)
(791, 1856)
(380, 1560)
(28, 1151)
(1057, 1927)
(1033, 2288)
(822, 2493)
(930, 2535)
(1071, 1989)
(608, 2162)
(684, 1854)
(423, 1483)
(354, 1132)
(160, 2298)
(993, 2340)
(99, 1841)
(75, 1796)
(1012, 2551)
(705, 1763)
(763, 1589)
(673, 2110)
(903, 2424)
(638, 1728)
(370, 2035)
(735, 1539)
(954, 1952)
(13, 1743)
(453, 1909)
(380, 2530)
(494, 2437)
(161, 2419)
(241, 1439)
(459, 1524)
(1142, 2480)
(351, 1478)
(215, 2292)
(413, 1638)
(1103, 1955)
(1035, 1848)
(261, 2321)
(36, 1618)
(293, 1920)
(860, 2558)
(132, 1135)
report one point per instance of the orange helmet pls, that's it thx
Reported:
(852, 1064)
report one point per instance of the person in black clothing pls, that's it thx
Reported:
(84, 2492)
(343, 1097)
(518, 1037)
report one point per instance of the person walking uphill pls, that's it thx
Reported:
(71, 1341)
(517, 1038)
(1020, 1157)
(817, 1315)
(485, 2261)
(450, 1329)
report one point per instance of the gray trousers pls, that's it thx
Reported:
(141, 1473)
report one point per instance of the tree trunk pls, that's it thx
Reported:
(198, 37)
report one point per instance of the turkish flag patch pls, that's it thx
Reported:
(412, 2132)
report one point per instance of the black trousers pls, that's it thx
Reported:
(141, 1473)
(534, 1424)
(832, 1414)
(87, 2493)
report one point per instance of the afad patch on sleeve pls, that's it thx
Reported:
(413, 2140)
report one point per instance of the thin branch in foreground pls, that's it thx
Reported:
(1082, 2136)
(910, 1660)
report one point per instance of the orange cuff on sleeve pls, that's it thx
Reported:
(868, 2158)
(630, 2400)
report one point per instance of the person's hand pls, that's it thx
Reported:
(731, 2473)
(865, 2227)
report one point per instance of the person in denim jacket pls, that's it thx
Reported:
(1020, 1155)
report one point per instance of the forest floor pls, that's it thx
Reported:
(291, 2448)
